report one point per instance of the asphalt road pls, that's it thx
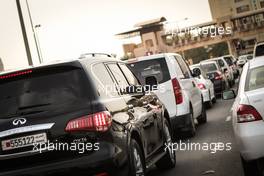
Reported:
(222, 163)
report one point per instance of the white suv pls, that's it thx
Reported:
(176, 88)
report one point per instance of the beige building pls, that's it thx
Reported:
(243, 17)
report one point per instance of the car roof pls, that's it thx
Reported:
(84, 60)
(195, 66)
(154, 56)
(256, 62)
(208, 61)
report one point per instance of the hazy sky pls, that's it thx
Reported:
(72, 27)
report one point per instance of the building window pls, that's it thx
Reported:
(243, 8)
(149, 43)
(261, 4)
(238, 1)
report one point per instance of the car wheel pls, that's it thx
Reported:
(203, 117)
(214, 100)
(137, 161)
(192, 128)
(209, 104)
(253, 168)
(169, 160)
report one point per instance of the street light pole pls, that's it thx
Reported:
(38, 42)
(24, 33)
(34, 33)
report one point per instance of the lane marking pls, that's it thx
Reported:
(228, 118)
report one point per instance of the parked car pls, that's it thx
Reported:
(177, 88)
(232, 63)
(94, 101)
(242, 60)
(248, 113)
(259, 50)
(206, 86)
(215, 74)
(226, 70)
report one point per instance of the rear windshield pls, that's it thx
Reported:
(42, 90)
(221, 63)
(229, 61)
(155, 67)
(255, 79)
(210, 67)
(260, 50)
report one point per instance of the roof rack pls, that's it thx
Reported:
(95, 54)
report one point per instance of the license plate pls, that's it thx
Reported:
(24, 141)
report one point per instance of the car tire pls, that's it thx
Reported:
(169, 160)
(203, 117)
(209, 104)
(214, 100)
(137, 162)
(192, 128)
(253, 168)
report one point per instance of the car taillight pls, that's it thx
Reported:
(201, 86)
(100, 121)
(247, 113)
(218, 76)
(177, 91)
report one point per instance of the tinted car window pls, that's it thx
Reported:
(255, 79)
(210, 67)
(259, 50)
(129, 75)
(119, 77)
(104, 81)
(58, 89)
(228, 60)
(153, 67)
(221, 63)
(184, 67)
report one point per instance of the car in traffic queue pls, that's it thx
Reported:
(176, 87)
(242, 60)
(94, 101)
(215, 74)
(258, 49)
(248, 113)
(206, 86)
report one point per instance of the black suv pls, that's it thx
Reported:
(50, 112)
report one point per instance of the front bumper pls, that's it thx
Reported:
(103, 160)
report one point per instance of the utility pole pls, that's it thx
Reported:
(24, 33)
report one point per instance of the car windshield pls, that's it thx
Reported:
(260, 50)
(255, 79)
(221, 63)
(210, 67)
(154, 67)
(229, 61)
(42, 90)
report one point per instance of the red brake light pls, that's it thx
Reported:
(100, 121)
(247, 113)
(11, 75)
(218, 76)
(177, 91)
(201, 86)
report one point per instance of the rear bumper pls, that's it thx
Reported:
(181, 123)
(250, 138)
(103, 160)
(206, 96)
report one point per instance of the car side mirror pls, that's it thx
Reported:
(196, 72)
(228, 95)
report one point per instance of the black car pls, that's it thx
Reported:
(86, 116)
(214, 73)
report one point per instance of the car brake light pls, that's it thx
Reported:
(15, 74)
(218, 76)
(247, 113)
(177, 91)
(201, 86)
(100, 121)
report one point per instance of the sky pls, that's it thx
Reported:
(70, 28)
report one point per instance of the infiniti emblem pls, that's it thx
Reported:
(19, 121)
